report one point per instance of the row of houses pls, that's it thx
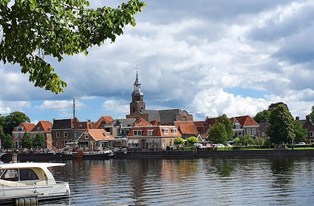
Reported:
(133, 133)
(142, 129)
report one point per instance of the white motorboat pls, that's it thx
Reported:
(30, 179)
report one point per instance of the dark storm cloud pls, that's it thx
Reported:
(298, 48)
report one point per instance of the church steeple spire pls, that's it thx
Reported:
(137, 84)
(137, 103)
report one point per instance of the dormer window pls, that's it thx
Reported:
(166, 131)
(174, 131)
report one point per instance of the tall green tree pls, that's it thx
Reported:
(272, 106)
(7, 142)
(31, 30)
(39, 141)
(217, 133)
(13, 120)
(223, 119)
(262, 116)
(26, 141)
(280, 129)
(299, 132)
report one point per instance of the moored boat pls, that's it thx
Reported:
(30, 179)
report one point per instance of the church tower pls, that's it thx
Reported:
(137, 103)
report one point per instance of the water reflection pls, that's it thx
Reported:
(189, 182)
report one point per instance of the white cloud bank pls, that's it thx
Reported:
(193, 56)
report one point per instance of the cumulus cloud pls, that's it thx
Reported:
(116, 108)
(60, 104)
(190, 55)
(214, 102)
(6, 107)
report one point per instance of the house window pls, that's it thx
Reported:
(166, 131)
(137, 132)
(311, 134)
(149, 132)
(65, 134)
(38, 128)
(20, 129)
(254, 131)
(174, 131)
(86, 136)
(58, 134)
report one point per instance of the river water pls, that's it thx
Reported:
(188, 182)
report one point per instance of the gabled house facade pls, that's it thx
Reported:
(309, 126)
(65, 132)
(145, 136)
(95, 140)
(245, 125)
(241, 125)
(43, 128)
(19, 131)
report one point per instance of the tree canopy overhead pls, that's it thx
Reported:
(30, 30)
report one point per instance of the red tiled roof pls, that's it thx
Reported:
(186, 127)
(99, 134)
(210, 121)
(154, 122)
(103, 119)
(246, 121)
(141, 122)
(27, 126)
(44, 126)
(157, 131)
(199, 123)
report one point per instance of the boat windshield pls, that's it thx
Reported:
(1, 172)
(10, 175)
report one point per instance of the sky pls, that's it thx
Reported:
(207, 57)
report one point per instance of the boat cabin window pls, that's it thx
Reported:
(13, 175)
(28, 174)
(10, 175)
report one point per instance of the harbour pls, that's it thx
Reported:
(210, 181)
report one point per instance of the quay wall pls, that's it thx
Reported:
(46, 157)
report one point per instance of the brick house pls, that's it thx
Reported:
(146, 136)
(95, 139)
(43, 128)
(65, 132)
(245, 125)
(19, 131)
(242, 125)
(309, 126)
